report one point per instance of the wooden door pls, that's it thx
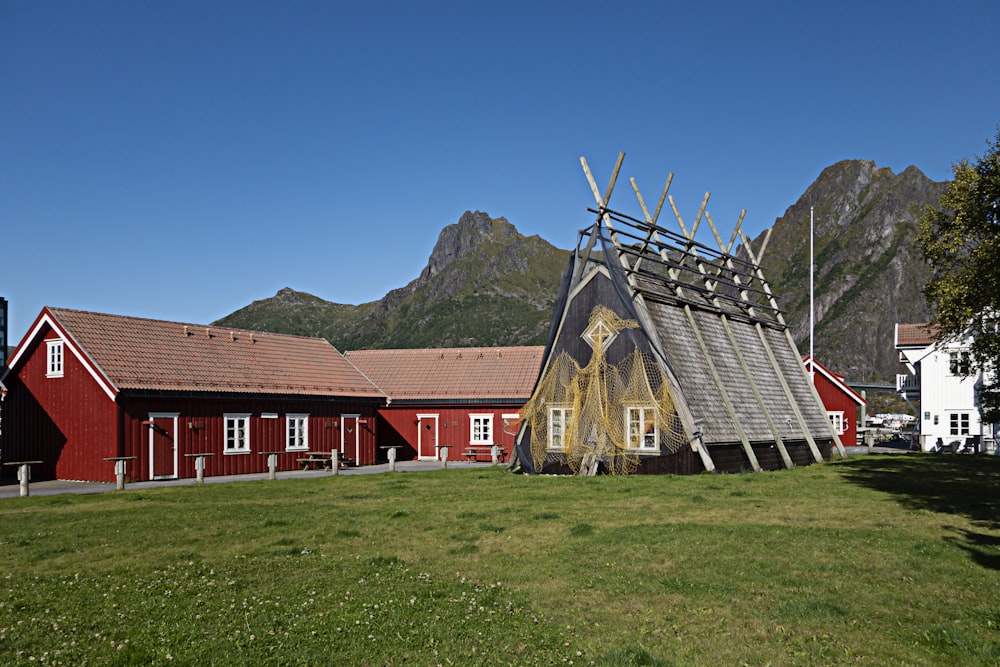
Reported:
(163, 447)
(350, 437)
(427, 437)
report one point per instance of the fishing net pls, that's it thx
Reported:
(602, 415)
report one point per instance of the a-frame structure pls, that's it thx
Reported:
(669, 356)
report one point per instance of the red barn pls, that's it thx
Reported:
(841, 402)
(467, 398)
(84, 387)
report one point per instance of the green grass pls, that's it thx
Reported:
(877, 560)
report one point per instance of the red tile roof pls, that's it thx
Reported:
(916, 335)
(454, 373)
(136, 353)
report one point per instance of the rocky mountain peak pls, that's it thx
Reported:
(472, 230)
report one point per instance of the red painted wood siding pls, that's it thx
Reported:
(398, 426)
(67, 422)
(201, 429)
(72, 425)
(835, 400)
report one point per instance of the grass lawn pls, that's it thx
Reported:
(887, 560)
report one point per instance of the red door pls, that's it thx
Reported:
(427, 437)
(350, 437)
(163, 448)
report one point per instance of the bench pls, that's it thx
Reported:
(475, 452)
(324, 460)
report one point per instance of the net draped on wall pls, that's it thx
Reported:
(602, 414)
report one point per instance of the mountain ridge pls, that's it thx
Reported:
(486, 284)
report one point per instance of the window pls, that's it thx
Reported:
(837, 419)
(481, 429)
(237, 434)
(55, 359)
(959, 364)
(640, 426)
(297, 432)
(559, 419)
(958, 423)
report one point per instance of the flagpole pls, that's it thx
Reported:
(812, 359)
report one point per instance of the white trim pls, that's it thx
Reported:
(473, 416)
(102, 380)
(163, 415)
(226, 449)
(837, 420)
(55, 357)
(644, 410)
(304, 417)
(437, 435)
(357, 434)
(565, 411)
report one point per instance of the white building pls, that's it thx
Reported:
(939, 380)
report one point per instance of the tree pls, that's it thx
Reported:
(961, 241)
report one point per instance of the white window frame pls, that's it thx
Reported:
(959, 423)
(55, 358)
(559, 418)
(642, 438)
(959, 363)
(296, 432)
(481, 429)
(837, 420)
(231, 421)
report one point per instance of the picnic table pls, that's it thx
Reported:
(494, 452)
(324, 460)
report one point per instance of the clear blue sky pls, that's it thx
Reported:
(181, 159)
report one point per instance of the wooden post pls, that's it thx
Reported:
(392, 459)
(334, 462)
(119, 475)
(444, 457)
(272, 466)
(199, 469)
(23, 475)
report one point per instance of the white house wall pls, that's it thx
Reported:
(943, 394)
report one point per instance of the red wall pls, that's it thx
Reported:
(398, 426)
(835, 400)
(72, 425)
(207, 432)
(68, 422)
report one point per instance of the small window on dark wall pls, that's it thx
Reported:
(54, 367)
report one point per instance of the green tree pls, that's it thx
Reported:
(961, 241)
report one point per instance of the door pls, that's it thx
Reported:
(162, 446)
(427, 437)
(350, 437)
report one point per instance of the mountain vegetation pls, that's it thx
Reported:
(486, 284)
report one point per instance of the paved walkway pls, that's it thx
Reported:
(10, 488)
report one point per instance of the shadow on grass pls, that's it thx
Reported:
(962, 485)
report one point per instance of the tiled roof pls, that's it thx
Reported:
(915, 335)
(454, 373)
(136, 353)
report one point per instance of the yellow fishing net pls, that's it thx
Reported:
(602, 415)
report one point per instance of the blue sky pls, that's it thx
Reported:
(182, 159)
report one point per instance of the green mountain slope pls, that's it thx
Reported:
(484, 284)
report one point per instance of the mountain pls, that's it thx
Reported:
(869, 273)
(484, 284)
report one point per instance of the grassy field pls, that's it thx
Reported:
(876, 560)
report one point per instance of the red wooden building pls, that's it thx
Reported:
(454, 397)
(841, 402)
(85, 387)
